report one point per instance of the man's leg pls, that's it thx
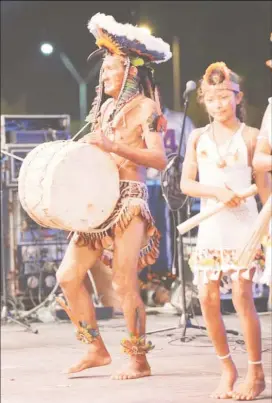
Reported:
(125, 282)
(71, 274)
(102, 276)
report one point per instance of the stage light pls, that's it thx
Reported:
(145, 29)
(46, 48)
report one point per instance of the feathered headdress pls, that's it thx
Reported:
(218, 76)
(138, 47)
(128, 40)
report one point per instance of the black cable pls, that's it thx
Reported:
(173, 268)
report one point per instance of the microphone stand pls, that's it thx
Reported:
(184, 319)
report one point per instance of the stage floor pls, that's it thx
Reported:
(182, 372)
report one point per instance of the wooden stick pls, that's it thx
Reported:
(12, 155)
(209, 212)
(255, 236)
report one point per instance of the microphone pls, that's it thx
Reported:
(190, 87)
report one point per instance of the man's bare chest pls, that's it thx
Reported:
(127, 131)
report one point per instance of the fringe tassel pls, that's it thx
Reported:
(105, 239)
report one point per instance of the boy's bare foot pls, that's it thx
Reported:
(253, 385)
(228, 378)
(138, 368)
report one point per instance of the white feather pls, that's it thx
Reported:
(151, 43)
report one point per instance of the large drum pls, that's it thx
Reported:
(68, 185)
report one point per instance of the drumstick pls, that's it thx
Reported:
(209, 212)
(255, 236)
(80, 131)
(12, 155)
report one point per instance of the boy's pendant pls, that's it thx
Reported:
(221, 163)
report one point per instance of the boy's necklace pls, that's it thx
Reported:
(221, 160)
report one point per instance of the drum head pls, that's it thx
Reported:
(77, 185)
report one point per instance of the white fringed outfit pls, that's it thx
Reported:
(221, 236)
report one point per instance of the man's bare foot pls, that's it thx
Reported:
(138, 368)
(253, 385)
(228, 378)
(95, 357)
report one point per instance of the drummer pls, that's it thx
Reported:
(129, 126)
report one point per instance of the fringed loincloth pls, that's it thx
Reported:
(133, 201)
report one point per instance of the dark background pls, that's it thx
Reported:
(236, 32)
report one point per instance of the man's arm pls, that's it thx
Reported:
(262, 178)
(152, 157)
(262, 160)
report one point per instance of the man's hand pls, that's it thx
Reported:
(98, 139)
